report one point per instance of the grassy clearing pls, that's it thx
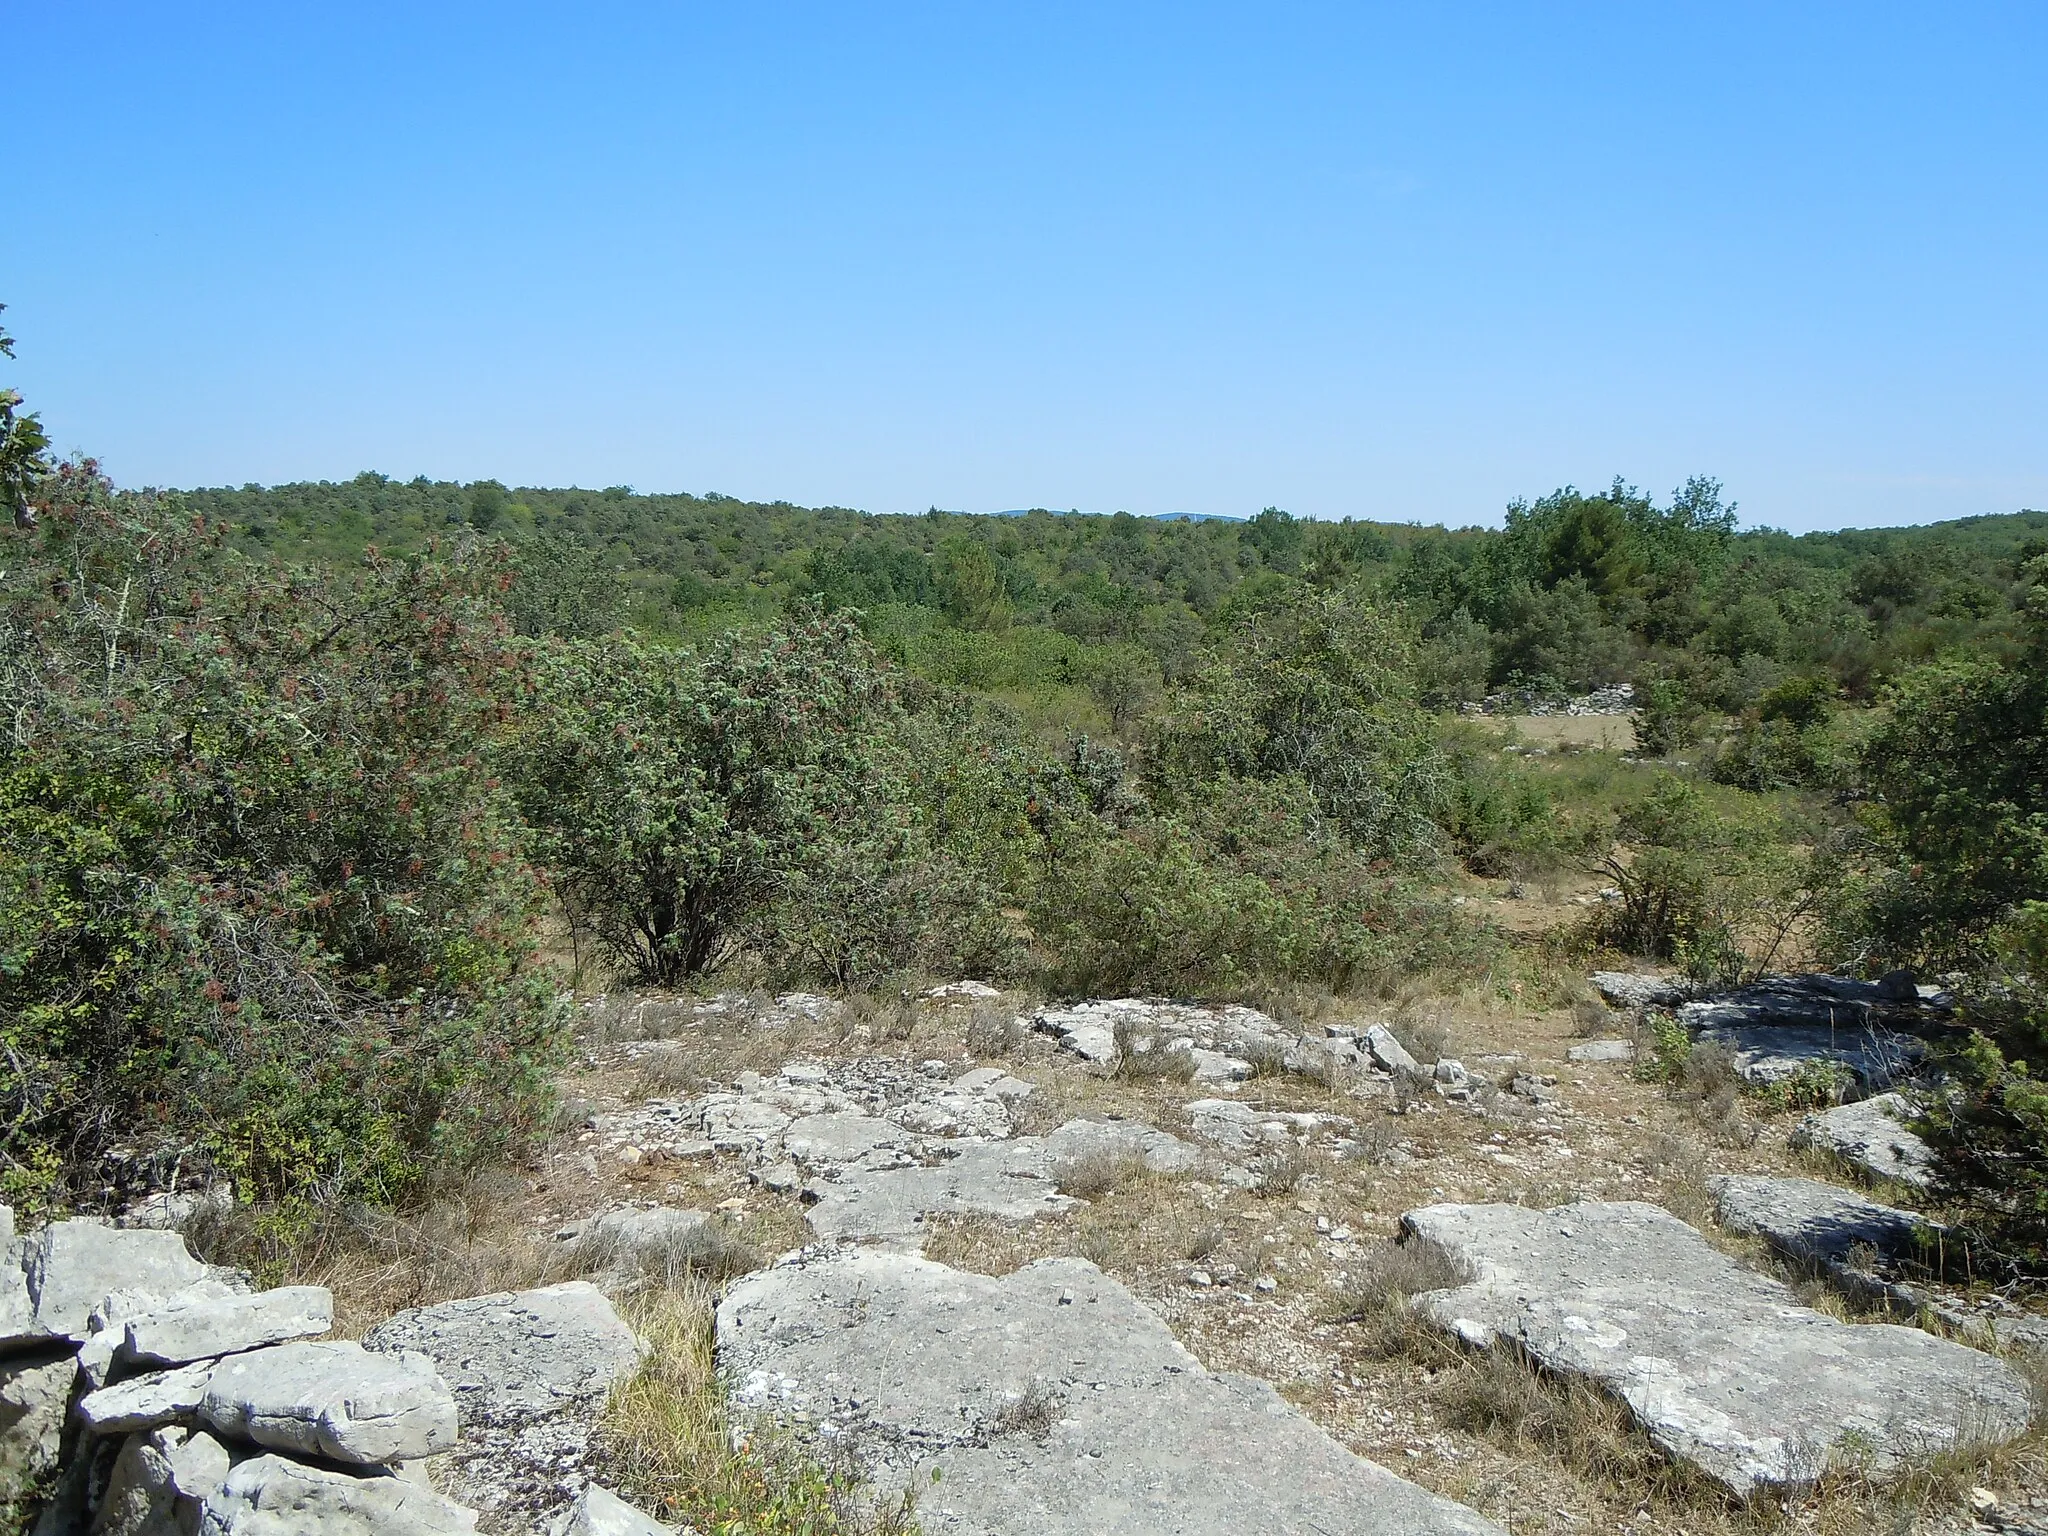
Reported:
(672, 1444)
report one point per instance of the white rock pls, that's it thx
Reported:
(60, 1274)
(972, 991)
(334, 1399)
(1601, 1050)
(202, 1329)
(1721, 1365)
(160, 1482)
(1871, 1134)
(272, 1496)
(1859, 1243)
(516, 1357)
(1390, 1053)
(169, 1210)
(144, 1402)
(600, 1512)
(1638, 989)
(35, 1391)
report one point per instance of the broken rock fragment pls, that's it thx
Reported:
(334, 1399)
(1873, 1135)
(274, 1496)
(600, 1512)
(145, 1402)
(202, 1328)
(1858, 1242)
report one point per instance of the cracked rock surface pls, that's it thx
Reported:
(1721, 1365)
(1050, 1401)
(529, 1370)
(880, 1147)
(1872, 1134)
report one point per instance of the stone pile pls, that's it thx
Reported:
(1616, 699)
(878, 1148)
(145, 1393)
(160, 1395)
(1226, 1045)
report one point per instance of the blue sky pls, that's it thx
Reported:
(1395, 262)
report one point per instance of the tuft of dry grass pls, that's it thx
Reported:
(1592, 1018)
(670, 1072)
(1391, 1273)
(1142, 1057)
(672, 1443)
(1031, 1414)
(1282, 1170)
(1091, 1175)
(467, 1242)
(1427, 1038)
(994, 1032)
(717, 1251)
(1710, 1090)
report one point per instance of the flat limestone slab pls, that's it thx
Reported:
(1722, 1366)
(530, 1371)
(1014, 1180)
(514, 1357)
(1005, 1180)
(1872, 1134)
(200, 1329)
(1770, 1053)
(1639, 989)
(1601, 1050)
(1821, 1223)
(1051, 1401)
(600, 1512)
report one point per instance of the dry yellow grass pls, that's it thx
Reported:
(671, 1442)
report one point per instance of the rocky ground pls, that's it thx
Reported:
(1246, 1181)
(1122, 1266)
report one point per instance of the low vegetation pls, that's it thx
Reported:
(673, 1445)
(307, 793)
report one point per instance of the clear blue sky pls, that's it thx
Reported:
(1396, 262)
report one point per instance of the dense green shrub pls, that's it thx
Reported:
(1321, 691)
(1958, 876)
(260, 894)
(1247, 886)
(1667, 716)
(750, 799)
(1716, 888)
(1959, 779)
(1988, 1119)
(1503, 816)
